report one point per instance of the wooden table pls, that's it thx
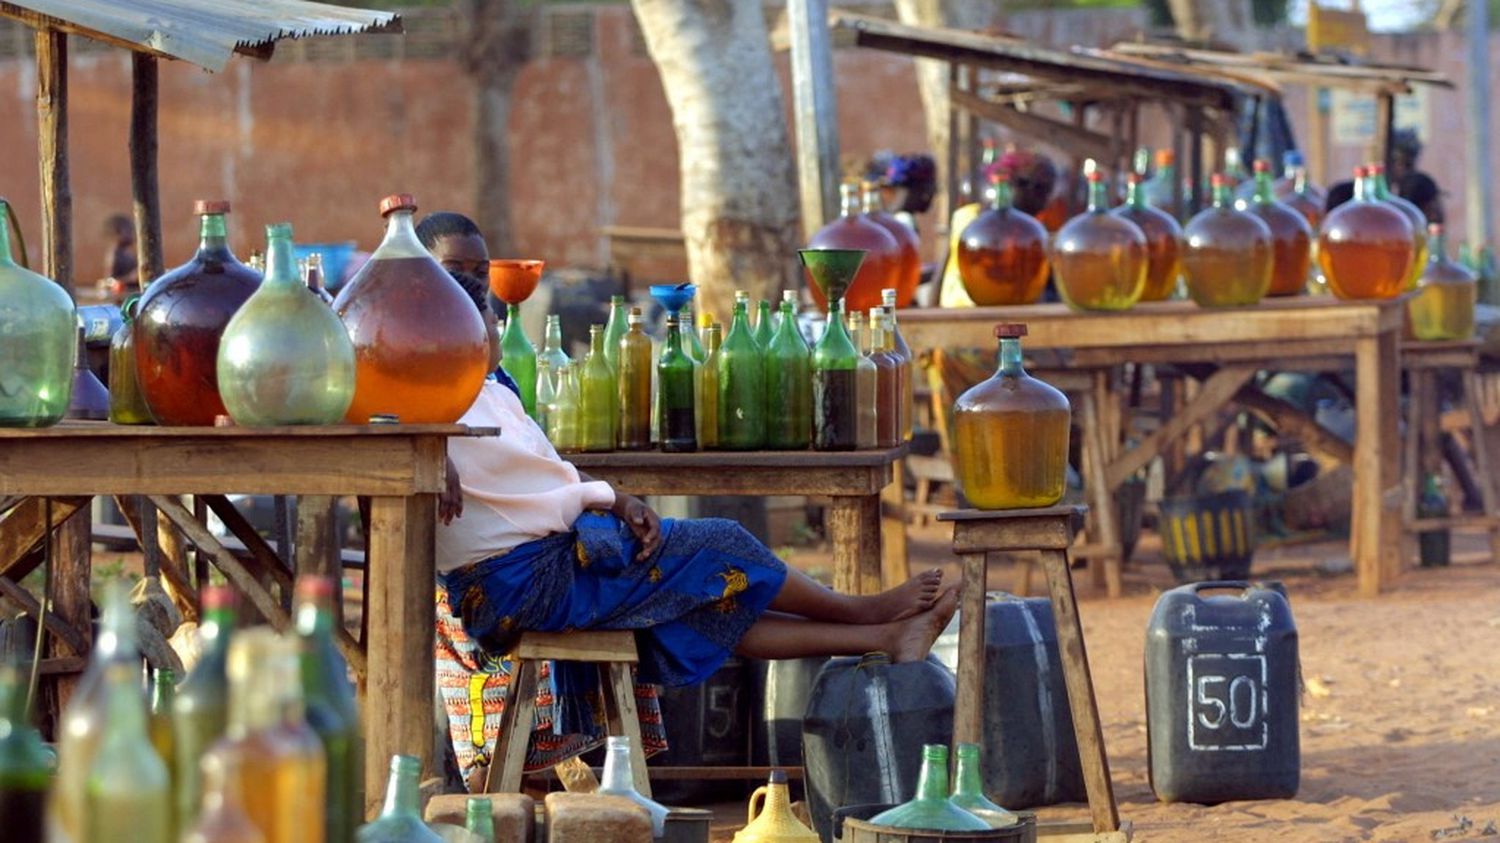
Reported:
(852, 481)
(1295, 333)
(401, 468)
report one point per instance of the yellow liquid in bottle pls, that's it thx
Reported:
(283, 784)
(1443, 312)
(1012, 460)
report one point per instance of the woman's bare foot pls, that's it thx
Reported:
(912, 597)
(912, 639)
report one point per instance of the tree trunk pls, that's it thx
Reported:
(739, 197)
(1224, 22)
(495, 49)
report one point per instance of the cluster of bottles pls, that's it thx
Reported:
(935, 808)
(757, 387)
(893, 258)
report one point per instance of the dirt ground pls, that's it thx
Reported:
(1400, 719)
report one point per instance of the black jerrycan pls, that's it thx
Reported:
(779, 692)
(866, 723)
(706, 725)
(1222, 687)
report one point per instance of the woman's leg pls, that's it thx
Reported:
(776, 636)
(802, 595)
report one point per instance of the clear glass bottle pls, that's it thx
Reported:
(906, 370)
(284, 358)
(634, 385)
(546, 392)
(552, 351)
(910, 274)
(1366, 248)
(330, 704)
(866, 385)
(1163, 241)
(614, 329)
(742, 384)
(674, 388)
(931, 810)
(128, 786)
(479, 818)
(400, 821)
(1443, 307)
(968, 790)
(835, 381)
(1291, 238)
(692, 343)
(25, 773)
(887, 382)
(562, 416)
(421, 348)
(598, 404)
(1011, 435)
(200, 707)
(312, 276)
(1228, 255)
(518, 358)
(222, 818)
(126, 404)
(1002, 254)
(852, 230)
(1413, 215)
(706, 388)
(617, 781)
(1099, 258)
(788, 383)
(182, 315)
(764, 325)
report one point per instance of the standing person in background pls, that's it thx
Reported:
(1411, 183)
(119, 279)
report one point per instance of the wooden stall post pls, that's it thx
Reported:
(143, 181)
(52, 152)
(816, 119)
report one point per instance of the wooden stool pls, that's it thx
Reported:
(614, 652)
(1049, 533)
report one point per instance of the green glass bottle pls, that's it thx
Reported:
(634, 385)
(518, 358)
(37, 341)
(200, 710)
(552, 347)
(331, 710)
(1434, 546)
(763, 325)
(692, 344)
(618, 325)
(546, 391)
(706, 388)
(968, 790)
(835, 374)
(126, 404)
(866, 385)
(562, 415)
(742, 384)
(479, 818)
(598, 412)
(24, 773)
(400, 821)
(788, 383)
(159, 727)
(674, 394)
(128, 786)
(931, 810)
(904, 368)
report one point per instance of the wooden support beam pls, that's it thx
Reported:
(1385, 126)
(1292, 421)
(52, 152)
(267, 566)
(70, 598)
(1084, 142)
(143, 179)
(21, 531)
(815, 114)
(1217, 391)
(175, 573)
(55, 625)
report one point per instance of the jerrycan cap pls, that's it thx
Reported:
(1010, 330)
(398, 202)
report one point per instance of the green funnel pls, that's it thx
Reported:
(833, 270)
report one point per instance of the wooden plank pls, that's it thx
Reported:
(52, 153)
(744, 481)
(1078, 140)
(1290, 420)
(1101, 498)
(1480, 448)
(590, 646)
(317, 549)
(173, 569)
(144, 192)
(620, 711)
(855, 543)
(398, 689)
(724, 461)
(968, 708)
(22, 529)
(1216, 392)
(510, 754)
(1073, 512)
(55, 625)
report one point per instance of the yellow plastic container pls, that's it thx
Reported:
(775, 822)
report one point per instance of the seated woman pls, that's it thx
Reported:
(527, 542)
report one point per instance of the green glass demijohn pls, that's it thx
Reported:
(37, 338)
(742, 384)
(931, 810)
(479, 818)
(400, 821)
(284, 358)
(788, 383)
(518, 358)
(25, 772)
(968, 790)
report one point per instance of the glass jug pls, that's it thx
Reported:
(1228, 254)
(910, 274)
(1291, 237)
(1413, 215)
(1002, 254)
(1443, 308)
(852, 230)
(1163, 241)
(1099, 258)
(37, 338)
(931, 810)
(126, 404)
(1366, 248)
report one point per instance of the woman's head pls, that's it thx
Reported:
(454, 240)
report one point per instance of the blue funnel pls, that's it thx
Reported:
(673, 297)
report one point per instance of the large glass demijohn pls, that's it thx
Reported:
(37, 325)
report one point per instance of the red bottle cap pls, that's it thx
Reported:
(1096, 176)
(398, 202)
(1435, 229)
(1262, 165)
(217, 597)
(1376, 169)
(1010, 330)
(1135, 178)
(312, 587)
(1165, 157)
(1219, 180)
(210, 207)
(1361, 172)
(1000, 176)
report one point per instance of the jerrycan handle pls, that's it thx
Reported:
(758, 796)
(1243, 587)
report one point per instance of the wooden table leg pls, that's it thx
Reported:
(968, 710)
(1102, 509)
(397, 693)
(317, 545)
(72, 567)
(854, 532)
(1376, 539)
(895, 566)
(1080, 684)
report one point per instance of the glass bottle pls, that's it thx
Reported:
(222, 818)
(1163, 241)
(1297, 193)
(128, 787)
(866, 385)
(616, 781)
(742, 384)
(552, 351)
(887, 383)
(1291, 238)
(1227, 254)
(284, 357)
(562, 416)
(931, 810)
(1443, 307)
(1162, 189)
(904, 360)
(479, 818)
(181, 317)
(421, 348)
(1365, 247)
(282, 763)
(598, 411)
(24, 769)
(126, 404)
(1434, 547)
(692, 344)
(788, 383)
(163, 738)
(1099, 258)
(633, 384)
(329, 701)
(89, 398)
(518, 358)
(82, 725)
(614, 329)
(200, 707)
(312, 276)
(1002, 254)
(910, 274)
(674, 386)
(968, 790)
(882, 266)
(37, 340)
(835, 385)
(400, 821)
(764, 327)
(1413, 215)
(706, 388)
(546, 391)
(1011, 435)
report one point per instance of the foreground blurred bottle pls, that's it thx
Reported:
(281, 761)
(518, 358)
(788, 363)
(598, 404)
(128, 792)
(181, 319)
(400, 821)
(83, 720)
(37, 325)
(222, 818)
(903, 355)
(706, 388)
(1366, 248)
(1163, 241)
(617, 781)
(1227, 254)
(1443, 308)
(24, 773)
(1291, 237)
(284, 358)
(742, 384)
(931, 810)
(634, 385)
(1099, 258)
(421, 350)
(163, 736)
(331, 710)
(126, 404)
(200, 709)
(1011, 435)
(674, 384)
(968, 790)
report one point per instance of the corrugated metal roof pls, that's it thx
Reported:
(203, 32)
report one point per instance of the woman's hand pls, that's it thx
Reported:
(451, 501)
(643, 521)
